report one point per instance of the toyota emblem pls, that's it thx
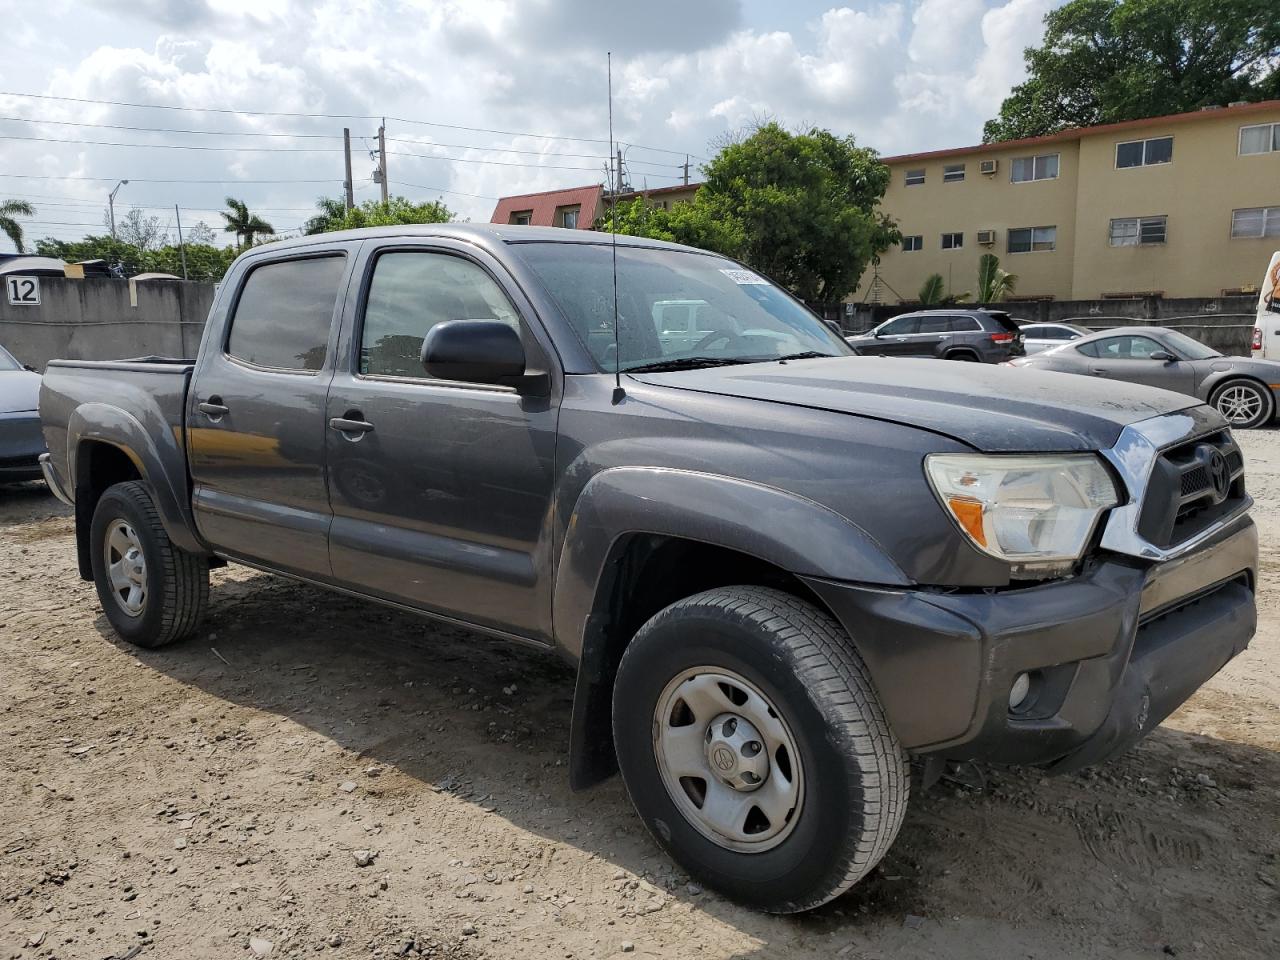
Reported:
(1219, 475)
(723, 758)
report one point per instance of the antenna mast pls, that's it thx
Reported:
(618, 392)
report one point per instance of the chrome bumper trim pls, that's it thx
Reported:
(51, 478)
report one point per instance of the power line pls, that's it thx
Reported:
(419, 186)
(202, 133)
(336, 116)
(26, 176)
(171, 146)
(535, 153)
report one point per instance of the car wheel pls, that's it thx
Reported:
(151, 592)
(1243, 403)
(755, 749)
(963, 355)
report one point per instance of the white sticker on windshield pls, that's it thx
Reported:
(745, 277)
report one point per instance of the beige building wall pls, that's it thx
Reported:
(1197, 191)
(1206, 179)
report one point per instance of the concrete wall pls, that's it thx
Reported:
(1224, 323)
(96, 320)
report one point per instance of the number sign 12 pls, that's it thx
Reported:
(23, 291)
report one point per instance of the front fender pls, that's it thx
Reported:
(157, 453)
(791, 532)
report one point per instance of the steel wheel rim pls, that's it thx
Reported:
(126, 566)
(1239, 404)
(704, 725)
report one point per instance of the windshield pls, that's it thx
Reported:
(1189, 348)
(675, 308)
(7, 362)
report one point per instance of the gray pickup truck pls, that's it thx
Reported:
(781, 570)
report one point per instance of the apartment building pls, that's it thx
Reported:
(1182, 206)
(577, 208)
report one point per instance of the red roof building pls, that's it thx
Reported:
(575, 208)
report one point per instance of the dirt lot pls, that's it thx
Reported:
(203, 801)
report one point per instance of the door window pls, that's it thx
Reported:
(899, 327)
(284, 313)
(934, 324)
(410, 293)
(1127, 348)
(963, 325)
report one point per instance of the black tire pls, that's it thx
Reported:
(855, 780)
(964, 356)
(176, 582)
(1232, 389)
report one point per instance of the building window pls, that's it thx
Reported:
(1255, 222)
(1143, 153)
(1138, 231)
(1260, 138)
(913, 243)
(953, 173)
(952, 241)
(1044, 167)
(522, 218)
(567, 217)
(1033, 239)
(914, 178)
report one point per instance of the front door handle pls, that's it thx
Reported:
(351, 424)
(1098, 371)
(213, 408)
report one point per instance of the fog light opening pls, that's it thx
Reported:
(1020, 690)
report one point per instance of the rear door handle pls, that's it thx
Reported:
(213, 408)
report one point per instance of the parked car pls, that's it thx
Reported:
(1243, 390)
(21, 441)
(780, 569)
(988, 336)
(1266, 332)
(1045, 336)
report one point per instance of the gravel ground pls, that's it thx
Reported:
(312, 774)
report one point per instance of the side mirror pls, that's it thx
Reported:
(29, 368)
(479, 351)
(1163, 356)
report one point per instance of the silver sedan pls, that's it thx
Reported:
(1241, 389)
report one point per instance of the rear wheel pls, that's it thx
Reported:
(151, 592)
(963, 355)
(1243, 403)
(755, 749)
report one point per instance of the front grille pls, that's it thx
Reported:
(1192, 485)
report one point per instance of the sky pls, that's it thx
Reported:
(482, 97)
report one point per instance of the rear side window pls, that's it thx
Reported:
(409, 294)
(285, 310)
(964, 325)
(1002, 321)
(1088, 349)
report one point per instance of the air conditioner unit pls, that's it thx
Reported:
(989, 167)
(986, 238)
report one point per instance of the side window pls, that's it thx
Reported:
(410, 293)
(284, 313)
(964, 325)
(900, 327)
(1127, 348)
(1089, 349)
(934, 324)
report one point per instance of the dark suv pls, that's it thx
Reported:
(986, 336)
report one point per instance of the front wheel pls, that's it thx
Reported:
(1243, 403)
(755, 749)
(152, 592)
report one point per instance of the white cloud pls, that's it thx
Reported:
(899, 74)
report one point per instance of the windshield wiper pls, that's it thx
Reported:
(686, 363)
(806, 355)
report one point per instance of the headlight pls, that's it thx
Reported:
(1036, 512)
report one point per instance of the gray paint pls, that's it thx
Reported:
(503, 510)
(92, 319)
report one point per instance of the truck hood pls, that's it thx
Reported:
(996, 409)
(19, 391)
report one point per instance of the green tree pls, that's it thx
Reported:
(397, 211)
(9, 211)
(204, 261)
(933, 292)
(800, 207)
(994, 283)
(243, 223)
(1104, 61)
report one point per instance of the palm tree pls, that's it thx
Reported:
(933, 292)
(332, 213)
(8, 225)
(245, 225)
(994, 284)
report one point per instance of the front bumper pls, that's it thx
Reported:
(21, 443)
(1112, 652)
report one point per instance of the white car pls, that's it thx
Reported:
(1044, 336)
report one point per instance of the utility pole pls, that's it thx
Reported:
(347, 186)
(686, 169)
(111, 206)
(182, 248)
(621, 183)
(382, 156)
